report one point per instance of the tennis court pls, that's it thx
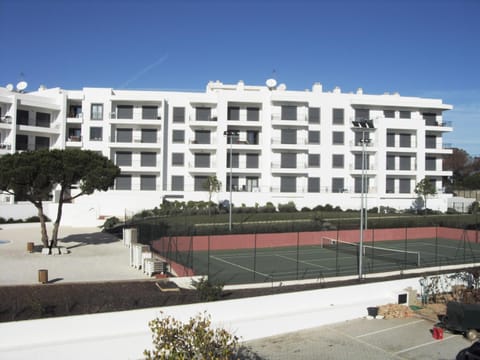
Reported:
(315, 257)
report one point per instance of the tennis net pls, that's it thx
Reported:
(393, 255)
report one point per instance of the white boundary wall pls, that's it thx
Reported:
(124, 335)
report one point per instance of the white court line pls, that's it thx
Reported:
(239, 266)
(303, 262)
(424, 344)
(390, 328)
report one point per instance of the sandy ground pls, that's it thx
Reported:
(92, 256)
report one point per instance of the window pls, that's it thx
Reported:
(148, 182)
(42, 142)
(22, 117)
(252, 137)
(338, 185)
(74, 134)
(337, 161)
(390, 186)
(252, 183)
(124, 135)
(358, 185)
(314, 137)
(390, 139)
(313, 184)
(96, 112)
(405, 162)
(234, 183)
(21, 142)
(430, 163)
(253, 114)
(289, 136)
(178, 159)
(252, 161)
(202, 160)
(123, 158)
(199, 183)
(203, 113)
(360, 136)
(235, 160)
(96, 133)
(178, 114)
(202, 137)
(148, 159)
(405, 114)
(314, 115)
(405, 140)
(337, 138)
(338, 117)
(149, 136)
(430, 119)
(150, 112)
(430, 141)
(404, 186)
(177, 183)
(390, 114)
(288, 160)
(314, 160)
(124, 111)
(233, 113)
(288, 184)
(178, 136)
(42, 119)
(362, 114)
(289, 112)
(358, 161)
(390, 162)
(123, 182)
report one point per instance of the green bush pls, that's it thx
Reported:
(110, 223)
(208, 291)
(174, 340)
(288, 207)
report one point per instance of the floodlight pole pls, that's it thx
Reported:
(230, 134)
(363, 141)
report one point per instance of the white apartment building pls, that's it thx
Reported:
(300, 146)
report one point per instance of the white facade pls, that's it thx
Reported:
(298, 146)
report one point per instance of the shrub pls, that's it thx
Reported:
(208, 291)
(288, 207)
(195, 339)
(110, 223)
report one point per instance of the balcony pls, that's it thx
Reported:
(74, 141)
(437, 126)
(300, 145)
(134, 144)
(210, 169)
(75, 118)
(203, 123)
(5, 149)
(301, 121)
(300, 168)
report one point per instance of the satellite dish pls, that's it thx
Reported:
(282, 87)
(22, 85)
(271, 83)
(9, 87)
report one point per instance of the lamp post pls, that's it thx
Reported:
(364, 125)
(230, 134)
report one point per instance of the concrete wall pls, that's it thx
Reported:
(124, 335)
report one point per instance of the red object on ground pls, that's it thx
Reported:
(437, 333)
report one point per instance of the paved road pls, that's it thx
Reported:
(362, 339)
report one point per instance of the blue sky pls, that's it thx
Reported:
(428, 48)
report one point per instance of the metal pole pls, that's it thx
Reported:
(360, 250)
(230, 136)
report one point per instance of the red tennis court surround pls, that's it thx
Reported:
(249, 241)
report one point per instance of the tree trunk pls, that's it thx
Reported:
(56, 224)
(43, 226)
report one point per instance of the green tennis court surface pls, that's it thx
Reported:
(327, 259)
